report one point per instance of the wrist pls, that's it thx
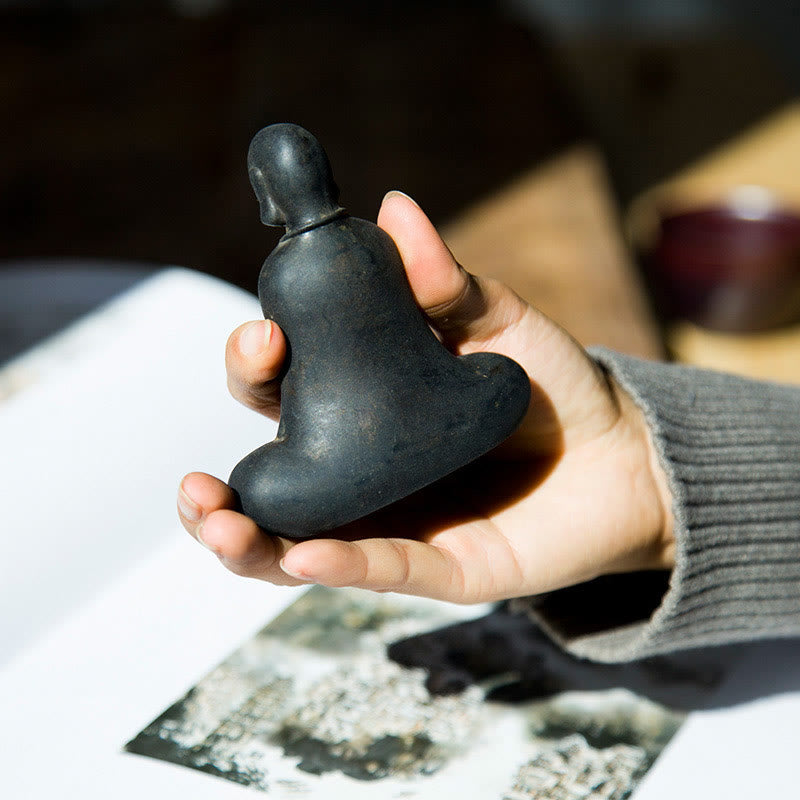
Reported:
(653, 506)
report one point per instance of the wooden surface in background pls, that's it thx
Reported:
(768, 356)
(766, 155)
(554, 237)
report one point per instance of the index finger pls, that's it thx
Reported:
(454, 566)
(254, 357)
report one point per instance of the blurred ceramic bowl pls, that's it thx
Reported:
(734, 266)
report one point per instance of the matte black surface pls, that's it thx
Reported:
(373, 406)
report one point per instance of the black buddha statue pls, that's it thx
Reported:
(373, 406)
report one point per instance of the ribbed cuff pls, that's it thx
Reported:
(730, 448)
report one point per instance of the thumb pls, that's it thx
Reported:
(438, 281)
(463, 307)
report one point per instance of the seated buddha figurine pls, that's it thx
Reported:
(373, 406)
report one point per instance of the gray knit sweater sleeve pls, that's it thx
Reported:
(731, 450)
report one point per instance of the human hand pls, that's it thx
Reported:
(575, 493)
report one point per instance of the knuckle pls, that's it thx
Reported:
(235, 566)
(391, 572)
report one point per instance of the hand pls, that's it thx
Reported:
(575, 493)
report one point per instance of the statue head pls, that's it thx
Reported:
(291, 176)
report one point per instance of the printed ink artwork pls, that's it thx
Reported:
(312, 706)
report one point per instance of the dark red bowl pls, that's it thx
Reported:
(733, 267)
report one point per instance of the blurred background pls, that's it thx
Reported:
(124, 124)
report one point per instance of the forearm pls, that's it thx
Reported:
(730, 449)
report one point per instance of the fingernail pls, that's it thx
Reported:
(401, 194)
(294, 573)
(255, 337)
(199, 536)
(188, 508)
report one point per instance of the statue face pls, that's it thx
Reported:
(269, 211)
(291, 177)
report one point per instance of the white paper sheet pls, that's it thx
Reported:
(97, 427)
(746, 747)
(108, 608)
(110, 613)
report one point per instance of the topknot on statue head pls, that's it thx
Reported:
(291, 177)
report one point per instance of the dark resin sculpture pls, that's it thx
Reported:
(373, 406)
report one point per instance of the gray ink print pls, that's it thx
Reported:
(312, 706)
